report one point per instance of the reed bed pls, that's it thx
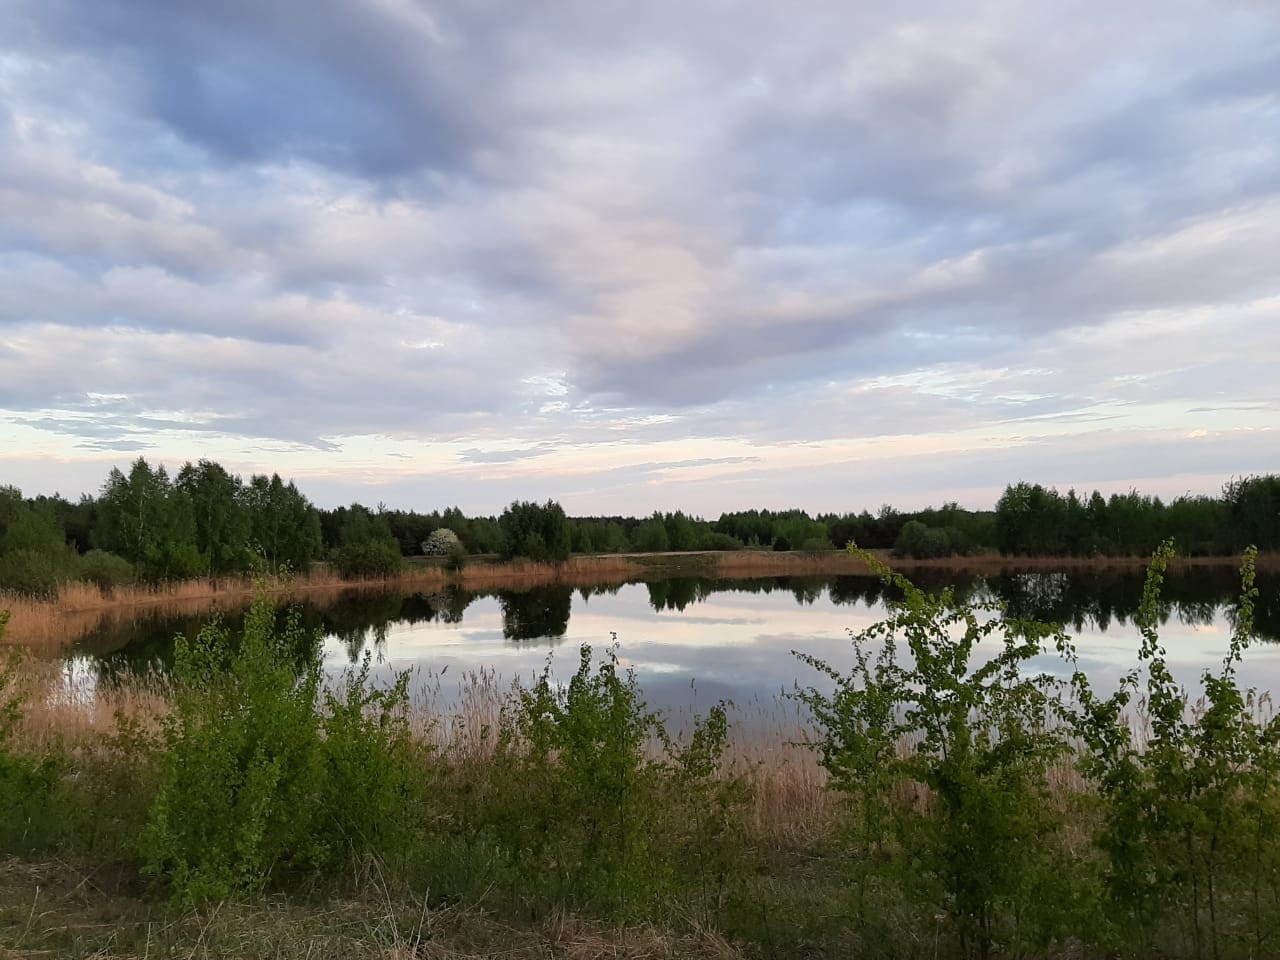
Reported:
(50, 625)
(995, 563)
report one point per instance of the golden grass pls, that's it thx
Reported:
(768, 563)
(989, 563)
(50, 625)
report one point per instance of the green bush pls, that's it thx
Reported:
(1190, 811)
(721, 541)
(817, 545)
(944, 758)
(105, 570)
(589, 815)
(256, 781)
(372, 772)
(243, 769)
(35, 573)
(572, 809)
(369, 558)
(781, 544)
(455, 560)
(921, 542)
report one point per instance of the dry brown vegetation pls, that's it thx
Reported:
(995, 563)
(61, 909)
(50, 625)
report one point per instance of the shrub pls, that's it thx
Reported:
(105, 570)
(589, 815)
(256, 782)
(945, 762)
(721, 541)
(370, 782)
(574, 806)
(368, 558)
(1190, 817)
(817, 545)
(781, 544)
(456, 559)
(440, 543)
(35, 573)
(242, 769)
(921, 542)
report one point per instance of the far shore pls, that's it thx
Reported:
(49, 625)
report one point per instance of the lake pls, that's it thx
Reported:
(699, 640)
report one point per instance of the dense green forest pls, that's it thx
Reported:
(145, 525)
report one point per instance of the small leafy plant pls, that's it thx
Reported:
(944, 755)
(1189, 813)
(596, 805)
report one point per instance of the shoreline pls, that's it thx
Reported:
(49, 625)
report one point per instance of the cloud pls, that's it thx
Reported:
(475, 455)
(517, 236)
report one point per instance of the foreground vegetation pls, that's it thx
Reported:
(969, 806)
(148, 527)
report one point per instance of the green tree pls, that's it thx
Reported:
(285, 527)
(34, 554)
(149, 522)
(651, 536)
(1253, 512)
(366, 547)
(222, 520)
(536, 531)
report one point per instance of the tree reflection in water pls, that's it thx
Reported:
(1081, 600)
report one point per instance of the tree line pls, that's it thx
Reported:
(204, 521)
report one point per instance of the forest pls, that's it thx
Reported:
(147, 526)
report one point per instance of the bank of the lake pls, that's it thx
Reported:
(49, 625)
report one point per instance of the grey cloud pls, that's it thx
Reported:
(501, 456)
(349, 85)
(116, 445)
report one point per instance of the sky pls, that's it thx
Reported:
(634, 256)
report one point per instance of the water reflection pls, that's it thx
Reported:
(734, 636)
(539, 613)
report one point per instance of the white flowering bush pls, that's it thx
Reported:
(441, 543)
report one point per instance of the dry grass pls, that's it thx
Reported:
(49, 626)
(768, 563)
(57, 909)
(994, 563)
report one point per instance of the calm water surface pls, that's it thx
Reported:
(728, 638)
